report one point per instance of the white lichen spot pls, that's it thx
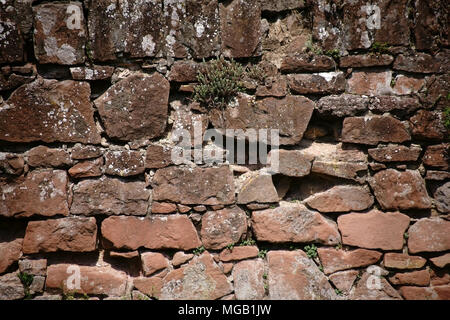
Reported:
(148, 45)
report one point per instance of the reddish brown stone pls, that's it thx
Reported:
(442, 198)
(429, 235)
(293, 163)
(374, 129)
(405, 85)
(163, 207)
(306, 63)
(240, 26)
(180, 257)
(365, 60)
(152, 262)
(88, 168)
(95, 72)
(185, 119)
(185, 209)
(437, 156)
(40, 193)
(434, 94)
(398, 105)
(184, 71)
(75, 234)
(428, 125)
(441, 261)
(437, 175)
(374, 287)
(344, 280)
(294, 223)
(343, 105)
(223, 227)
(110, 196)
(124, 163)
(46, 157)
(281, 5)
(11, 163)
(93, 280)
(341, 199)
(124, 255)
(10, 251)
(417, 62)
(336, 260)
(373, 230)
(258, 188)
(71, 121)
(273, 87)
(59, 33)
(158, 156)
(431, 293)
(370, 83)
(149, 286)
(200, 279)
(144, 114)
(293, 276)
(11, 42)
(11, 287)
(239, 253)
(414, 278)
(403, 261)
(400, 189)
(317, 83)
(248, 280)
(168, 232)
(209, 186)
(82, 152)
(37, 267)
(394, 153)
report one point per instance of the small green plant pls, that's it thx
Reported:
(68, 296)
(406, 235)
(265, 275)
(338, 292)
(311, 251)
(247, 242)
(338, 246)
(266, 286)
(446, 114)
(219, 80)
(256, 73)
(262, 254)
(27, 280)
(379, 48)
(198, 251)
(230, 246)
(321, 268)
(334, 53)
(312, 47)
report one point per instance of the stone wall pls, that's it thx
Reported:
(92, 205)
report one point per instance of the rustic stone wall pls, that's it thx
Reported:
(92, 91)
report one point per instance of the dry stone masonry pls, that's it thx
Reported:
(93, 204)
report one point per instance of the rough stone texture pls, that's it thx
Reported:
(86, 169)
(405, 85)
(11, 287)
(59, 33)
(93, 280)
(393, 153)
(200, 279)
(397, 105)
(135, 107)
(10, 251)
(290, 115)
(37, 267)
(158, 157)
(210, 186)
(403, 261)
(95, 72)
(239, 253)
(11, 163)
(240, 26)
(373, 230)
(429, 235)
(180, 257)
(223, 227)
(306, 63)
(273, 87)
(293, 276)
(344, 280)
(431, 293)
(374, 129)
(75, 234)
(343, 105)
(11, 44)
(400, 190)
(152, 262)
(82, 152)
(336, 260)
(277, 6)
(441, 261)
(131, 233)
(163, 207)
(370, 83)
(437, 156)
(42, 192)
(365, 60)
(149, 286)
(293, 223)
(293, 163)
(442, 198)
(341, 199)
(415, 278)
(46, 157)
(184, 71)
(248, 280)
(63, 111)
(317, 83)
(428, 125)
(368, 288)
(258, 188)
(418, 62)
(110, 196)
(124, 163)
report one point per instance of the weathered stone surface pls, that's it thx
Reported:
(10, 251)
(344, 280)
(149, 286)
(163, 207)
(40, 193)
(248, 280)
(293, 276)
(341, 199)
(394, 104)
(365, 60)
(240, 26)
(373, 230)
(124, 163)
(372, 286)
(63, 111)
(201, 279)
(418, 62)
(223, 227)
(59, 33)
(429, 235)
(46, 157)
(306, 63)
(238, 253)
(317, 83)
(158, 157)
(258, 188)
(400, 190)
(95, 72)
(430, 293)
(370, 83)
(442, 197)
(428, 125)
(403, 261)
(415, 278)
(11, 42)
(37, 267)
(209, 186)
(437, 156)
(11, 287)
(393, 153)
(93, 280)
(343, 105)
(293, 163)
(374, 129)
(439, 277)
(168, 232)
(435, 91)
(185, 119)
(429, 24)
(277, 6)
(290, 115)
(75, 234)
(293, 223)
(88, 168)
(124, 255)
(405, 85)
(441, 261)
(152, 262)
(82, 152)
(184, 71)
(180, 257)
(135, 107)
(336, 260)
(437, 175)
(11, 163)
(273, 87)
(110, 196)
